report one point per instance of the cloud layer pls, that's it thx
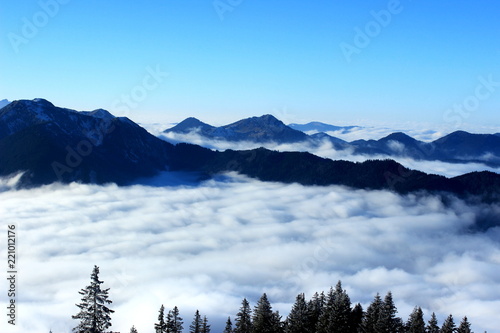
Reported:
(327, 150)
(207, 246)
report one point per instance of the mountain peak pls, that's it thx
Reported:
(264, 121)
(399, 136)
(100, 113)
(42, 101)
(36, 108)
(189, 125)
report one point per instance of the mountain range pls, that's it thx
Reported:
(457, 147)
(316, 126)
(256, 129)
(52, 144)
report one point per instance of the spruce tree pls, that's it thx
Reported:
(229, 326)
(205, 327)
(174, 321)
(94, 315)
(277, 324)
(169, 322)
(341, 314)
(133, 329)
(263, 321)
(448, 325)
(416, 323)
(356, 318)
(464, 326)
(388, 322)
(432, 325)
(243, 318)
(316, 306)
(298, 320)
(161, 326)
(336, 315)
(195, 326)
(372, 316)
(322, 325)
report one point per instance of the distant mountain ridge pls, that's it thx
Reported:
(316, 126)
(257, 129)
(51, 144)
(3, 103)
(457, 147)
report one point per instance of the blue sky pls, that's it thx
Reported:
(229, 59)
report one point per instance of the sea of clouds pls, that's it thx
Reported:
(326, 150)
(207, 245)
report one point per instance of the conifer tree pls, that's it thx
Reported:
(336, 316)
(316, 306)
(229, 326)
(464, 326)
(243, 318)
(298, 320)
(323, 325)
(133, 329)
(432, 325)
(264, 320)
(356, 318)
(94, 315)
(195, 327)
(448, 325)
(174, 321)
(277, 324)
(169, 322)
(341, 315)
(205, 327)
(372, 316)
(416, 323)
(388, 322)
(161, 326)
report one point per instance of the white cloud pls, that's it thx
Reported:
(326, 149)
(206, 247)
(396, 146)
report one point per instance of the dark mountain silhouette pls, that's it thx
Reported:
(322, 127)
(457, 147)
(257, 129)
(461, 143)
(52, 144)
(192, 124)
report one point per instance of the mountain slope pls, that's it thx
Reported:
(464, 144)
(458, 147)
(309, 169)
(52, 144)
(192, 125)
(316, 126)
(257, 129)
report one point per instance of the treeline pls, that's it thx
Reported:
(323, 313)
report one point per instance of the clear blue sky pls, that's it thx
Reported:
(256, 57)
